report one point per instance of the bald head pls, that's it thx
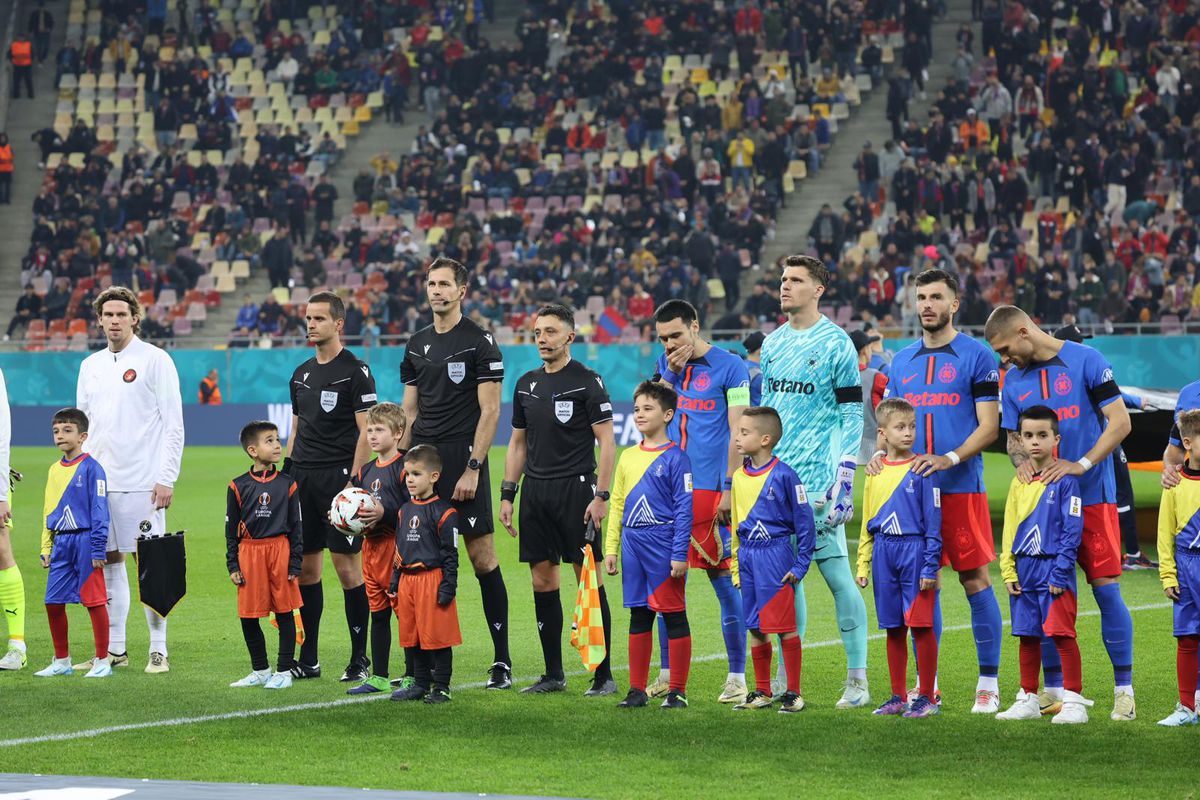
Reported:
(1004, 320)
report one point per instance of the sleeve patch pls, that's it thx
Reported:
(370, 398)
(101, 489)
(687, 482)
(801, 495)
(606, 406)
(495, 365)
(1076, 506)
(738, 395)
(937, 497)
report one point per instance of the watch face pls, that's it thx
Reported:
(473, 464)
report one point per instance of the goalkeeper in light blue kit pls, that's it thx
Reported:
(810, 376)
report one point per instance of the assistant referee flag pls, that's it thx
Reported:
(587, 628)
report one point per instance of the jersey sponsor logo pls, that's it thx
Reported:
(564, 410)
(1021, 397)
(532, 386)
(759, 532)
(1067, 412)
(947, 373)
(305, 376)
(599, 381)
(641, 515)
(891, 526)
(1106, 376)
(1032, 543)
(908, 380)
(66, 520)
(328, 400)
(130, 376)
(1062, 384)
(933, 399)
(1076, 506)
(426, 349)
(488, 336)
(993, 376)
(366, 372)
(472, 521)
(703, 382)
(696, 404)
(791, 387)
(101, 489)
(457, 370)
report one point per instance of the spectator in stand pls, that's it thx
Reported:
(29, 308)
(277, 257)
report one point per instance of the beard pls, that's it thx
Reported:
(938, 324)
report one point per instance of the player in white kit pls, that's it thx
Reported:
(130, 392)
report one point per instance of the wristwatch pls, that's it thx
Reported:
(474, 464)
(604, 495)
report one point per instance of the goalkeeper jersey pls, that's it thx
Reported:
(769, 505)
(652, 494)
(1043, 520)
(811, 378)
(899, 502)
(1178, 525)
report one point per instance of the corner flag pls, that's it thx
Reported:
(587, 629)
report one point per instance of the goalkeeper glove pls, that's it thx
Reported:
(839, 500)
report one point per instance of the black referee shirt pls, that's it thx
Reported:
(447, 369)
(557, 411)
(325, 397)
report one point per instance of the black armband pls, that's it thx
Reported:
(989, 390)
(1105, 391)
(848, 394)
(508, 491)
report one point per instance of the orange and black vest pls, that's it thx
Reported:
(209, 387)
(6, 158)
(22, 54)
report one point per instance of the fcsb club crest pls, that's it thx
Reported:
(703, 381)
(130, 376)
(947, 373)
(457, 370)
(1062, 384)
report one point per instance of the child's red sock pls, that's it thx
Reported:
(1187, 661)
(57, 613)
(1068, 653)
(99, 616)
(680, 651)
(761, 655)
(897, 656)
(640, 645)
(1031, 663)
(793, 652)
(927, 658)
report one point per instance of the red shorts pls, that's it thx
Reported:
(1060, 619)
(967, 531)
(422, 622)
(265, 588)
(94, 592)
(1100, 548)
(377, 558)
(920, 613)
(707, 551)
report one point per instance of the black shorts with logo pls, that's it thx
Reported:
(475, 515)
(550, 522)
(317, 486)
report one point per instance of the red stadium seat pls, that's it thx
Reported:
(77, 327)
(57, 327)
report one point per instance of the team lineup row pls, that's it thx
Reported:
(751, 497)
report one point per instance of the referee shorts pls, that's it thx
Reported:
(317, 486)
(550, 519)
(475, 515)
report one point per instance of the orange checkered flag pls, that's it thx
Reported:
(299, 626)
(587, 629)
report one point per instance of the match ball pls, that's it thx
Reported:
(346, 512)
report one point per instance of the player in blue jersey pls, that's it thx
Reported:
(713, 387)
(1077, 383)
(810, 376)
(952, 383)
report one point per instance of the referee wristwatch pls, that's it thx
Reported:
(604, 495)
(474, 464)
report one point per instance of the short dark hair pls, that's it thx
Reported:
(71, 416)
(337, 308)
(560, 311)
(426, 455)
(938, 276)
(676, 309)
(767, 420)
(815, 266)
(663, 395)
(252, 430)
(461, 274)
(1039, 414)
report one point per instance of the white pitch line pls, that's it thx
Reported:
(288, 709)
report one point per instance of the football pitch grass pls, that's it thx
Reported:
(190, 725)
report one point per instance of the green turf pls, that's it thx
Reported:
(567, 745)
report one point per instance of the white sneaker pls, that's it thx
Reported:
(986, 702)
(1124, 709)
(258, 677)
(1026, 707)
(100, 669)
(280, 680)
(661, 685)
(1074, 710)
(114, 660)
(158, 663)
(735, 691)
(856, 694)
(1182, 715)
(14, 659)
(59, 666)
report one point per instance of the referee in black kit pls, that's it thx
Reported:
(559, 412)
(331, 393)
(452, 372)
